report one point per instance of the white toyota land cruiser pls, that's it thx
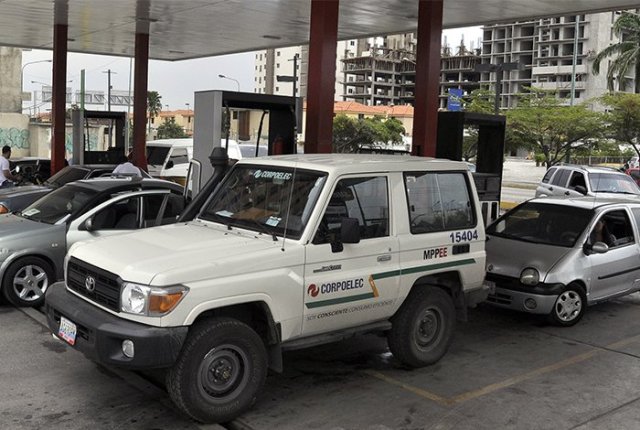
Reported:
(288, 252)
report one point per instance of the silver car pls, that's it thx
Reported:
(576, 181)
(556, 256)
(35, 240)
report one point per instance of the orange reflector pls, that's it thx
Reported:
(4, 209)
(164, 303)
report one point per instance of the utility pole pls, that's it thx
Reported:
(294, 80)
(109, 72)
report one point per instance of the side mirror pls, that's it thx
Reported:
(596, 248)
(169, 164)
(582, 190)
(88, 224)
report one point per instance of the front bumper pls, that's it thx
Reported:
(100, 334)
(524, 302)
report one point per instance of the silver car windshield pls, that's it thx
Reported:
(613, 183)
(549, 224)
(58, 204)
(267, 199)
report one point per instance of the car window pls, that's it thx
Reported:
(120, 215)
(179, 156)
(99, 172)
(577, 180)
(152, 204)
(544, 223)
(548, 175)
(613, 183)
(173, 208)
(365, 199)
(64, 201)
(66, 175)
(438, 202)
(560, 178)
(156, 155)
(613, 228)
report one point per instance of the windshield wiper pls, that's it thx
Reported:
(263, 229)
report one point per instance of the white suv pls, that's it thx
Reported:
(288, 252)
(574, 181)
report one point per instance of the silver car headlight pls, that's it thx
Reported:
(530, 276)
(150, 301)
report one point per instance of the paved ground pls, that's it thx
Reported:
(505, 370)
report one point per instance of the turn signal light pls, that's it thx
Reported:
(163, 303)
(4, 209)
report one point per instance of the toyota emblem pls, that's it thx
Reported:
(90, 283)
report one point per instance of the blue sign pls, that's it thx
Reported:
(454, 102)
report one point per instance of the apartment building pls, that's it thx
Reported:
(545, 50)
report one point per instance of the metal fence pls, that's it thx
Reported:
(590, 161)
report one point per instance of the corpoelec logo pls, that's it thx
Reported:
(269, 174)
(341, 291)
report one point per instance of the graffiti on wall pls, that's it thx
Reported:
(92, 141)
(14, 137)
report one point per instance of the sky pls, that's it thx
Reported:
(177, 81)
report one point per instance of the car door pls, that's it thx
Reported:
(577, 181)
(340, 290)
(618, 269)
(544, 186)
(559, 182)
(120, 214)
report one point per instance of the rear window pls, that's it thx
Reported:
(548, 175)
(66, 175)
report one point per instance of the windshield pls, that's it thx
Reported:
(53, 207)
(549, 224)
(66, 175)
(266, 199)
(613, 183)
(156, 155)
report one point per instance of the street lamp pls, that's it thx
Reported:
(231, 79)
(22, 76)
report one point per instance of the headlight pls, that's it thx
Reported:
(3, 209)
(530, 276)
(151, 301)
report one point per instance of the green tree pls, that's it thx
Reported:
(154, 105)
(541, 123)
(480, 101)
(350, 135)
(170, 130)
(626, 53)
(623, 118)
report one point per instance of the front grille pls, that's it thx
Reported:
(500, 299)
(504, 281)
(107, 285)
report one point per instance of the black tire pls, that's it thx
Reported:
(569, 307)
(221, 368)
(26, 281)
(422, 329)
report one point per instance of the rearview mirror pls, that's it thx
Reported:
(350, 230)
(169, 164)
(596, 248)
(88, 224)
(582, 190)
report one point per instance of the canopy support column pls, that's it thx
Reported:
(425, 117)
(140, 82)
(323, 39)
(59, 97)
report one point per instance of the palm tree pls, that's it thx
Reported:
(626, 51)
(154, 105)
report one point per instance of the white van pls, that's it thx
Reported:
(169, 158)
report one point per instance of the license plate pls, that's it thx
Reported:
(490, 285)
(67, 331)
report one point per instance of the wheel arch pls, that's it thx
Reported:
(450, 282)
(16, 257)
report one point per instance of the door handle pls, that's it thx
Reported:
(383, 258)
(550, 188)
(566, 193)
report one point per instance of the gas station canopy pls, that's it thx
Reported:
(183, 29)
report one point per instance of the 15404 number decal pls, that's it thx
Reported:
(464, 236)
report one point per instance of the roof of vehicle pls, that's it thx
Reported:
(187, 141)
(352, 163)
(590, 169)
(588, 202)
(124, 182)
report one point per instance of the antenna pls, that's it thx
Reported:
(286, 223)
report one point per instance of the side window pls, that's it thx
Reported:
(438, 202)
(173, 208)
(99, 172)
(122, 215)
(151, 208)
(577, 180)
(613, 228)
(179, 156)
(365, 199)
(560, 178)
(548, 175)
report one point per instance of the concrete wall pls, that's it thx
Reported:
(40, 140)
(14, 131)
(10, 68)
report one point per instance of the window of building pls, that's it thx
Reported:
(277, 88)
(277, 65)
(278, 53)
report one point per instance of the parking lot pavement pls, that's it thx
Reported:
(504, 370)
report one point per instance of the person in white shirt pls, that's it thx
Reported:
(6, 178)
(126, 167)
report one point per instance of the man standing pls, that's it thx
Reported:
(6, 177)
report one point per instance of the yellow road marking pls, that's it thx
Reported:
(444, 401)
